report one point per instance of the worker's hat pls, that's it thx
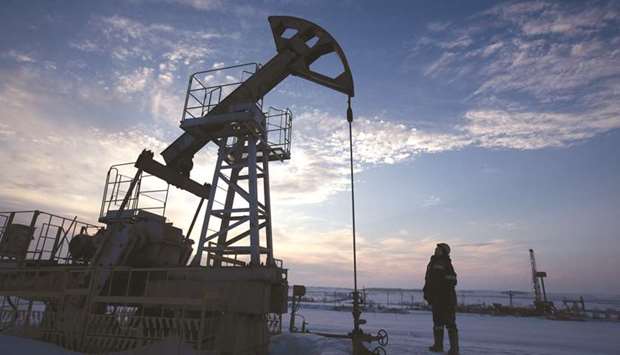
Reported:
(445, 247)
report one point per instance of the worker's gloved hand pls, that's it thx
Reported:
(426, 294)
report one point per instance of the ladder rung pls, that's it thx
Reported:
(231, 210)
(245, 177)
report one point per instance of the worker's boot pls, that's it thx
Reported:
(453, 336)
(438, 336)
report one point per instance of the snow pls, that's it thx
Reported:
(308, 344)
(480, 334)
(409, 333)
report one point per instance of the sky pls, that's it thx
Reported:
(491, 126)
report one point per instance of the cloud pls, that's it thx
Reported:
(19, 56)
(548, 70)
(60, 167)
(541, 17)
(539, 65)
(540, 74)
(5, 130)
(135, 81)
(319, 165)
(144, 60)
(473, 259)
(324, 256)
(202, 5)
(130, 38)
(126, 29)
(536, 130)
(85, 45)
(431, 201)
(437, 26)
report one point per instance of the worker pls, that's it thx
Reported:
(439, 292)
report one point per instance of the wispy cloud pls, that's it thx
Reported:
(543, 17)
(437, 26)
(148, 61)
(319, 166)
(60, 167)
(157, 38)
(20, 57)
(5, 130)
(325, 256)
(535, 130)
(203, 5)
(135, 81)
(431, 201)
(542, 74)
(85, 45)
(396, 260)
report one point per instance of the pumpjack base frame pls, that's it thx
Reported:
(227, 310)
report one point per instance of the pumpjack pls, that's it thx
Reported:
(135, 278)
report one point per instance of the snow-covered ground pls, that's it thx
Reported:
(410, 334)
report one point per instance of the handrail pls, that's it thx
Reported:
(225, 68)
(212, 95)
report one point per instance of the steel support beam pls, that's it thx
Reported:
(252, 182)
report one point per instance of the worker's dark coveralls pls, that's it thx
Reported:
(439, 291)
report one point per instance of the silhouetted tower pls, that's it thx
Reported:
(236, 230)
(538, 279)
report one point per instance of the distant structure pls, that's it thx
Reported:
(510, 294)
(298, 292)
(540, 294)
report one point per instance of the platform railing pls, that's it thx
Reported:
(206, 89)
(279, 132)
(149, 194)
(50, 236)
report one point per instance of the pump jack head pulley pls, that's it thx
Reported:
(306, 54)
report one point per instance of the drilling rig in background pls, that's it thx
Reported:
(541, 303)
(132, 280)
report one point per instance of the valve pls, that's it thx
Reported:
(382, 337)
(379, 350)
